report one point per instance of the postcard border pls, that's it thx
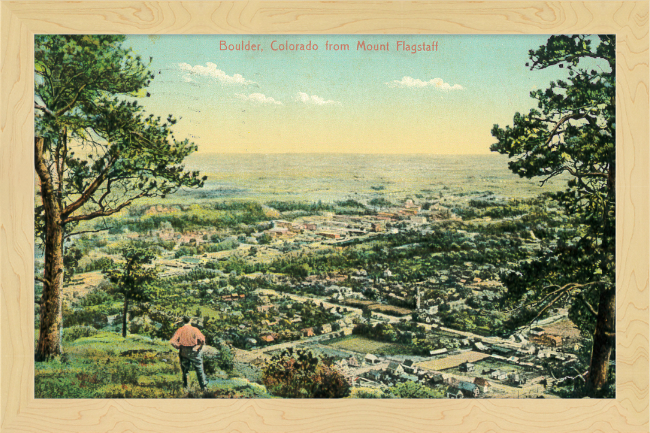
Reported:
(19, 411)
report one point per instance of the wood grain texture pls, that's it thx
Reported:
(20, 412)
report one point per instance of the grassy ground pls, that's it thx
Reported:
(365, 345)
(106, 365)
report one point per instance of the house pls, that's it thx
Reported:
(326, 328)
(453, 392)
(438, 351)
(462, 390)
(362, 381)
(516, 379)
(410, 367)
(329, 235)
(394, 368)
(371, 359)
(482, 384)
(263, 308)
(467, 367)
(537, 331)
(480, 346)
(353, 362)
(267, 338)
(498, 375)
(435, 378)
(502, 351)
(307, 332)
(468, 389)
(278, 231)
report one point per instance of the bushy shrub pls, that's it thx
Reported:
(60, 386)
(76, 332)
(301, 374)
(89, 316)
(412, 390)
(131, 391)
(96, 297)
(224, 360)
(123, 373)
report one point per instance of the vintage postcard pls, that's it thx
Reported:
(325, 216)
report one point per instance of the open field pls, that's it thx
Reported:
(452, 361)
(564, 328)
(365, 345)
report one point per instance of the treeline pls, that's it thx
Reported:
(299, 208)
(220, 215)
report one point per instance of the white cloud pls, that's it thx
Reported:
(436, 83)
(210, 70)
(314, 100)
(258, 98)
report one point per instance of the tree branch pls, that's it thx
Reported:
(103, 212)
(42, 280)
(74, 101)
(85, 231)
(561, 122)
(587, 304)
(590, 174)
(85, 196)
(44, 109)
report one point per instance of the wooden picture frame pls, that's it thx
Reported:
(20, 412)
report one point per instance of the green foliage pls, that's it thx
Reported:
(380, 202)
(350, 203)
(407, 389)
(95, 150)
(95, 316)
(76, 332)
(412, 390)
(224, 360)
(101, 264)
(571, 132)
(96, 297)
(292, 206)
(301, 374)
(133, 280)
(185, 251)
(71, 261)
(265, 239)
(83, 93)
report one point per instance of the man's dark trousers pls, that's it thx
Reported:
(192, 359)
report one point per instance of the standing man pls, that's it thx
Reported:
(189, 341)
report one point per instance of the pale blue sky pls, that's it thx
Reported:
(356, 101)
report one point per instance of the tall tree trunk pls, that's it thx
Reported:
(605, 333)
(124, 313)
(49, 340)
(604, 340)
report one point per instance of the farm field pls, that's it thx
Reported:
(452, 361)
(365, 345)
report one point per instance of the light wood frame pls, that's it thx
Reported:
(20, 412)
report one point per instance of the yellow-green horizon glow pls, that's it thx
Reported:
(385, 102)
